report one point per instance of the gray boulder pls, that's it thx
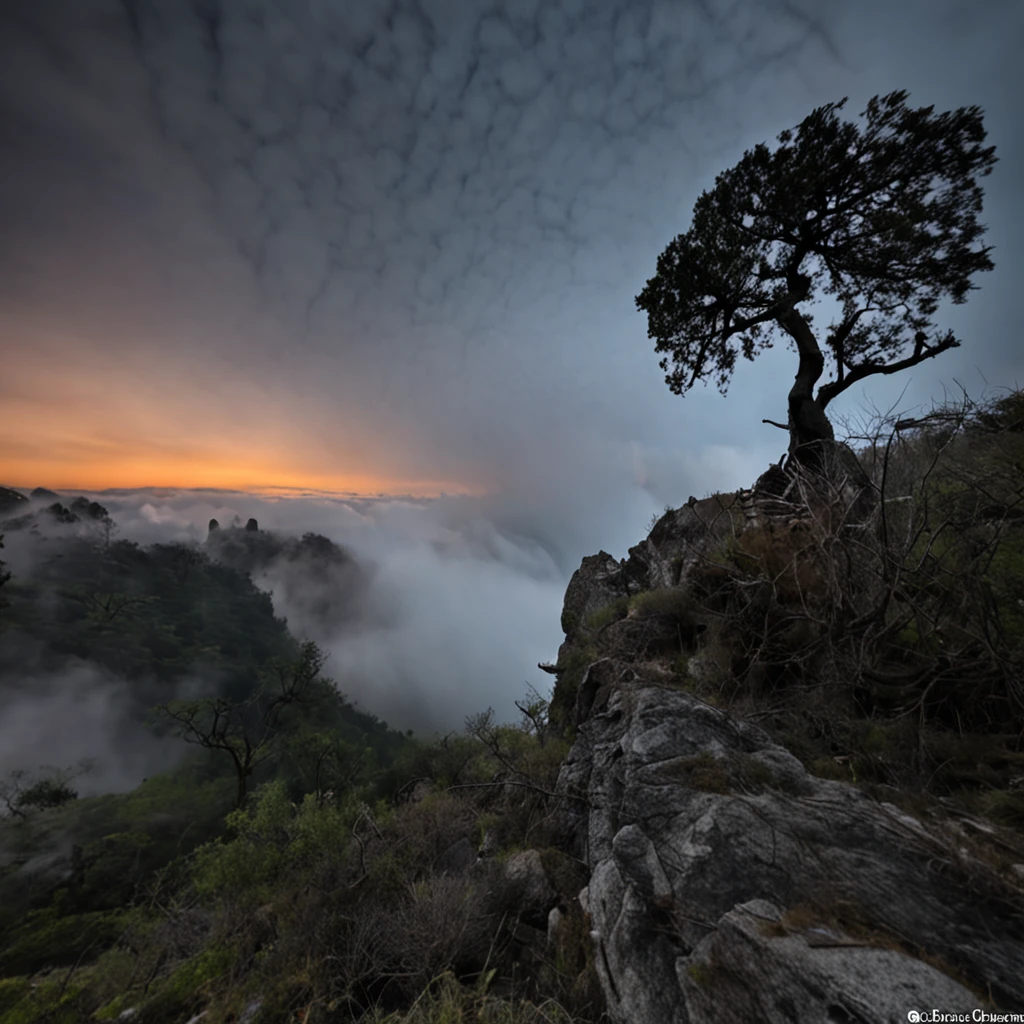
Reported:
(457, 858)
(752, 967)
(537, 882)
(693, 822)
(596, 583)
(529, 889)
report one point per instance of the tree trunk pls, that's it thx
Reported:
(812, 441)
(811, 436)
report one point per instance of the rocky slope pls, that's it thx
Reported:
(727, 882)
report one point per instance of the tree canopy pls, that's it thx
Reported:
(881, 216)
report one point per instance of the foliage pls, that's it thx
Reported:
(888, 650)
(666, 602)
(570, 674)
(445, 1001)
(246, 730)
(57, 940)
(611, 612)
(339, 899)
(21, 791)
(158, 615)
(47, 793)
(883, 217)
(137, 612)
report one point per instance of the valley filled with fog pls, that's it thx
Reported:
(510, 512)
(429, 611)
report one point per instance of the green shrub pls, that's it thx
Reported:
(187, 979)
(44, 938)
(12, 992)
(1006, 807)
(570, 675)
(610, 613)
(667, 602)
(47, 793)
(247, 865)
(52, 999)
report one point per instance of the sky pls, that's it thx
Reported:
(313, 249)
(394, 246)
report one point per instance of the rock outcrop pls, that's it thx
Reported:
(34, 514)
(728, 883)
(86, 509)
(12, 501)
(596, 583)
(61, 514)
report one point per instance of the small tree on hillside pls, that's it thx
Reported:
(245, 730)
(22, 791)
(882, 216)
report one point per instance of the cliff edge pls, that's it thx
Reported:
(731, 880)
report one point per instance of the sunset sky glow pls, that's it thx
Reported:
(308, 261)
(393, 247)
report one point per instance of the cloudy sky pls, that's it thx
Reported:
(392, 247)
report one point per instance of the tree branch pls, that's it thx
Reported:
(859, 371)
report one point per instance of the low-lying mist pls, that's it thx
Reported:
(439, 612)
(79, 711)
(437, 608)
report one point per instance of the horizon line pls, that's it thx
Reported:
(267, 491)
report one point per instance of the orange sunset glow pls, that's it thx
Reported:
(137, 468)
(78, 419)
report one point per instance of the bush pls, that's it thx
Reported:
(47, 793)
(611, 612)
(676, 606)
(570, 675)
(45, 938)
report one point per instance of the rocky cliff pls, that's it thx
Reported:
(728, 881)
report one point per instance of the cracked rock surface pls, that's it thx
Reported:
(729, 884)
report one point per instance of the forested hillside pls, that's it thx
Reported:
(203, 657)
(309, 863)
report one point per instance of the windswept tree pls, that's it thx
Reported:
(881, 216)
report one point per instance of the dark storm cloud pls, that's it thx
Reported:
(414, 229)
(401, 181)
(426, 149)
(406, 236)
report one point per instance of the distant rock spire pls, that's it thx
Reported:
(252, 526)
(214, 525)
